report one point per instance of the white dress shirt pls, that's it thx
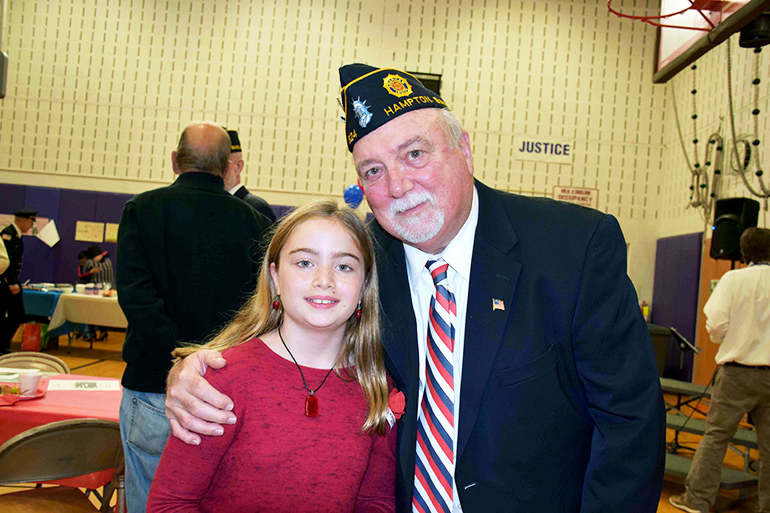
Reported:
(458, 254)
(235, 189)
(738, 316)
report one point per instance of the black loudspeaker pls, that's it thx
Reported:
(731, 217)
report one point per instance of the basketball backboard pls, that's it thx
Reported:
(710, 22)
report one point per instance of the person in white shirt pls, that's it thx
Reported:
(738, 313)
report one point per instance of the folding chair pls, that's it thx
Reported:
(62, 450)
(32, 360)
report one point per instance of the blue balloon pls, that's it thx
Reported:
(353, 196)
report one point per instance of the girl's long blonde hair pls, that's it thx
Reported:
(361, 343)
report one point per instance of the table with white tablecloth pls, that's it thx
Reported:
(96, 310)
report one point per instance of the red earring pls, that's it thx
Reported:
(277, 303)
(358, 311)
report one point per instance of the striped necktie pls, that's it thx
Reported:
(434, 465)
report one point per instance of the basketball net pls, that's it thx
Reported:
(654, 20)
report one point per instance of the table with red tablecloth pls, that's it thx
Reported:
(58, 405)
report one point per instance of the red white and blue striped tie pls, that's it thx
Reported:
(434, 466)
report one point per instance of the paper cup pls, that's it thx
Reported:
(29, 380)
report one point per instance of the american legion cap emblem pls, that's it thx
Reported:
(397, 86)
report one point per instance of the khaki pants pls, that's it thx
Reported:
(738, 390)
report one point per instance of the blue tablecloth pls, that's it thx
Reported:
(43, 304)
(40, 303)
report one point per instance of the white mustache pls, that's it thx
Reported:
(410, 201)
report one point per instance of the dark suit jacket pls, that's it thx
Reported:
(560, 408)
(188, 256)
(256, 203)
(15, 248)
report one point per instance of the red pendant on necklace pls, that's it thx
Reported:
(311, 406)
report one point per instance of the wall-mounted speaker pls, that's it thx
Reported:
(731, 217)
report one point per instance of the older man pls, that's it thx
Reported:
(11, 301)
(527, 368)
(186, 260)
(233, 179)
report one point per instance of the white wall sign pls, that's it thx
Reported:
(86, 231)
(538, 149)
(578, 195)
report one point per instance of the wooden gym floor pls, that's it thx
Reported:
(105, 360)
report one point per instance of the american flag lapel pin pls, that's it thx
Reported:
(497, 304)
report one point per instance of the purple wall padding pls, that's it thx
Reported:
(100, 207)
(12, 198)
(675, 296)
(38, 255)
(280, 211)
(66, 207)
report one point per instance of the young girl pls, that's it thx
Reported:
(306, 374)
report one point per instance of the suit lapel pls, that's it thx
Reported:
(241, 193)
(494, 275)
(399, 331)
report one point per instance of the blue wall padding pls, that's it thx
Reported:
(675, 296)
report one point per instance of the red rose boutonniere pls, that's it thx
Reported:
(396, 404)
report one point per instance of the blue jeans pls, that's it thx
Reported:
(144, 429)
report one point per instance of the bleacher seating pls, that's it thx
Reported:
(688, 394)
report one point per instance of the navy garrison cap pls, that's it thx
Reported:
(26, 214)
(235, 143)
(373, 96)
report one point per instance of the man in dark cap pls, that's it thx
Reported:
(233, 179)
(187, 258)
(11, 301)
(526, 365)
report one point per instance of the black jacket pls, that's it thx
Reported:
(188, 256)
(560, 403)
(256, 203)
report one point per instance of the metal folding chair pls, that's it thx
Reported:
(32, 360)
(62, 450)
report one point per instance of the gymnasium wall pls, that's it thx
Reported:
(99, 91)
(711, 105)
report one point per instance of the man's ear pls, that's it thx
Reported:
(174, 165)
(465, 146)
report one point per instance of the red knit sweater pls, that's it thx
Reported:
(274, 459)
